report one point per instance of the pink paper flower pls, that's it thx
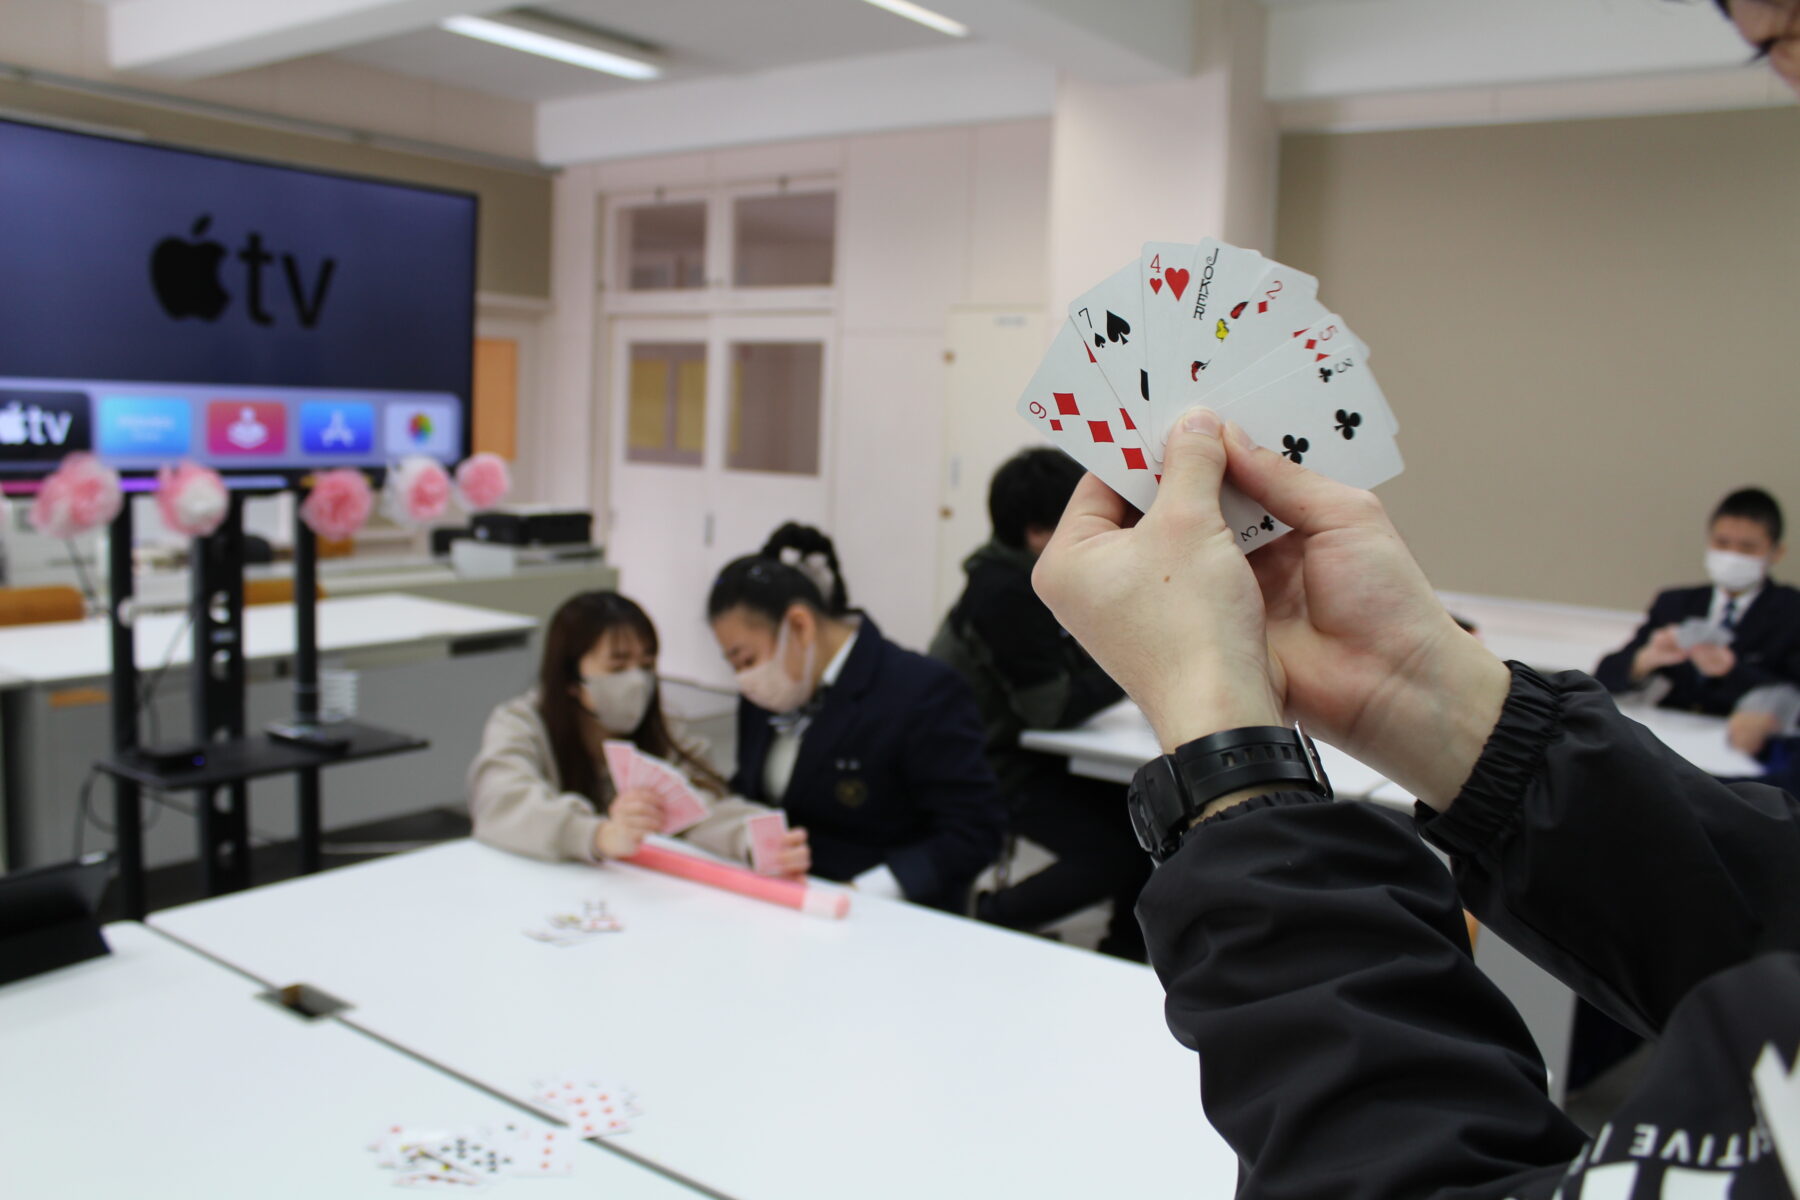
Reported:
(81, 494)
(339, 505)
(482, 481)
(418, 490)
(191, 498)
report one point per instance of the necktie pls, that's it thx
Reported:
(1728, 622)
(796, 722)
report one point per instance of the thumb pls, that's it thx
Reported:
(1193, 466)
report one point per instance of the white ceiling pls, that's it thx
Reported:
(1317, 47)
(698, 39)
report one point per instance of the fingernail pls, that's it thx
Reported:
(1201, 420)
(1234, 433)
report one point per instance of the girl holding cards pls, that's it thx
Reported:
(878, 751)
(541, 785)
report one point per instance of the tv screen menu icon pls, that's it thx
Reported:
(42, 426)
(159, 427)
(240, 428)
(332, 427)
(423, 427)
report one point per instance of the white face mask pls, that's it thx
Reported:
(620, 699)
(768, 685)
(1733, 571)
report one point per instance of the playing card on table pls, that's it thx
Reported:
(571, 928)
(540, 1153)
(1110, 319)
(768, 838)
(592, 1109)
(398, 1145)
(438, 1180)
(475, 1152)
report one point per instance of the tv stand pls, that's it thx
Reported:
(234, 756)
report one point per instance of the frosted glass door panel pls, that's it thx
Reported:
(776, 399)
(784, 240)
(665, 395)
(663, 246)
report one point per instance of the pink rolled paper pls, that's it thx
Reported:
(815, 902)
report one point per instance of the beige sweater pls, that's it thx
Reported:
(518, 804)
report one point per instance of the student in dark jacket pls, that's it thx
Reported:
(874, 750)
(1314, 953)
(1027, 673)
(1702, 648)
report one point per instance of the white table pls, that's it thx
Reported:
(1115, 742)
(899, 1053)
(153, 1072)
(65, 651)
(1550, 637)
(426, 667)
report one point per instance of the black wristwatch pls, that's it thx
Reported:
(1168, 793)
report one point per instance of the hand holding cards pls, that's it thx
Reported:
(1223, 327)
(633, 770)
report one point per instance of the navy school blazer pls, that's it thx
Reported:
(893, 769)
(1767, 647)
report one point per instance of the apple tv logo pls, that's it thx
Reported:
(185, 275)
(43, 426)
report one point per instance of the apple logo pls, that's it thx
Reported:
(186, 275)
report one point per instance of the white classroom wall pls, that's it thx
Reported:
(928, 219)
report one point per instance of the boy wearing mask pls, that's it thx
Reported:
(1702, 648)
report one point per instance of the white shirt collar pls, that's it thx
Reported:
(835, 667)
(1716, 613)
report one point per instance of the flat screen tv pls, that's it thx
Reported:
(159, 304)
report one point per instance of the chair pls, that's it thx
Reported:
(274, 591)
(37, 605)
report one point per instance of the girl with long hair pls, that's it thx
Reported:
(540, 785)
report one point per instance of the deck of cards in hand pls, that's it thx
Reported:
(633, 770)
(1221, 326)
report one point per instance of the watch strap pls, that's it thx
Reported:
(1170, 793)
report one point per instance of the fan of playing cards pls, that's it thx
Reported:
(632, 769)
(1221, 326)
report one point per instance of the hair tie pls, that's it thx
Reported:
(817, 567)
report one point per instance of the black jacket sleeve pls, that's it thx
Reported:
(946, 772)
(1611, 861)
(1314, 954)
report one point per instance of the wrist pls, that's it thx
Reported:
(1232, 801)
(1186, 719)
(1437, 732)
